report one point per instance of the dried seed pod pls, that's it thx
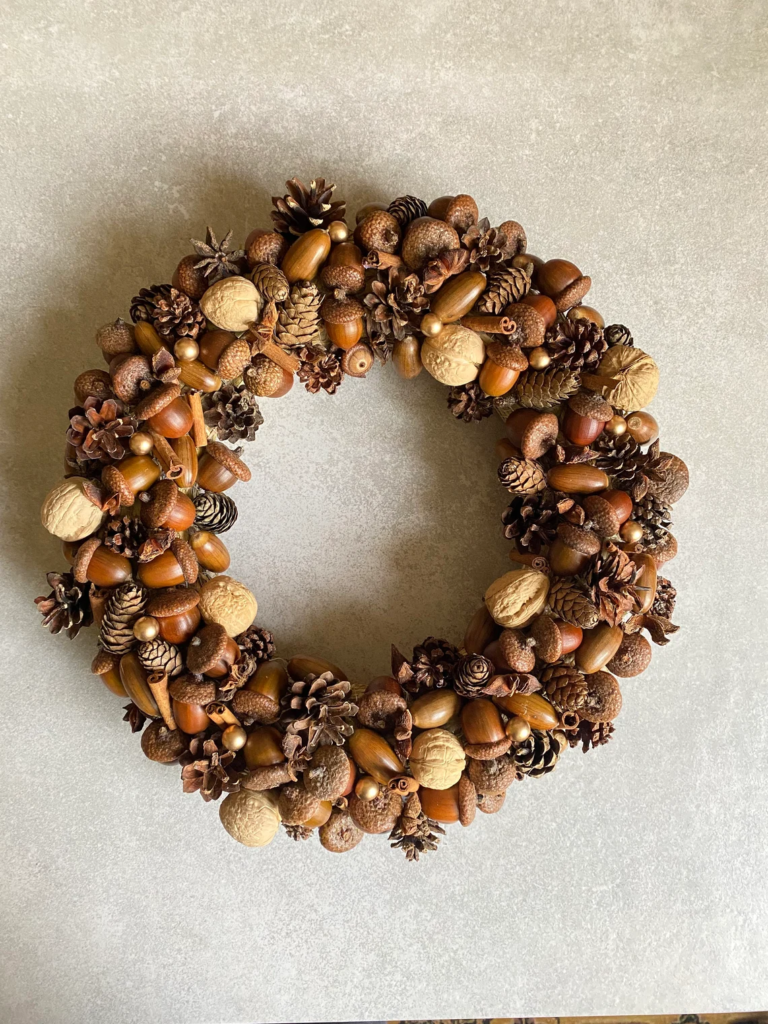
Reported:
(632, 657)
(490, 803)
(547, 638)
(518, 650)
(426, 238)
(492, 776)
(377, 815)
(68, 513)
(116, 338)
(467, 800)
(603, 517)
(377, 709)
(340, 833)
(232, 304)
(358, 360)
(603, 700)
(328, 773)
(379, 230)
(454, 356)
(228, 602)
(296, 805)
(162, 744)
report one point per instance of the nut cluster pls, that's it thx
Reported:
(151, 450)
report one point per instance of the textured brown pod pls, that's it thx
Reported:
(343, 320)
(481, 722)
(265, 247)
(435, 708)
(379, 230)
(134, 680)
(210, 550)
(440, 804)
(533, 432)
(426, 238)
(602, 516)
(582, 429)
(373, 755)
(646, 582)
(270, 679)
(457, 296)
(263, 747)
(303, 665)
(632, 657)
(358, 360)
(480, 631)
(598, 647)
(537, 711)
(377, 815)
(161, 744)
(306, 255)
(461, 212)
(406, 356)
(578, 478)
(212, 344)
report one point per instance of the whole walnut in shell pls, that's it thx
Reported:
(638, 377)
(67, 513)
(228, 602)
(517, 597)
(437, 759)
(454, 356)
(232, 304)
(251, 817)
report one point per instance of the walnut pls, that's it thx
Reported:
(228, 602)
(67, 513)
(637, 373)
(517, 596)
(232, 304)
(454, 356)
(250, 817)
(437, 759)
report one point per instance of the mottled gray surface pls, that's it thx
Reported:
(630, 137)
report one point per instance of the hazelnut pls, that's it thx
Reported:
(251, 817)
(228, 602)
(454, 356)
(232, 304)
(68, 513)
(437, 759)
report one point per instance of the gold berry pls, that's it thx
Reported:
(186, 349)
(367, 788)
(141, 443)
(539, 358)
(431, 325)
(234, 737)
(146, 628)
(338, 231)
(631, 532)
(616, 426)
(518, 729)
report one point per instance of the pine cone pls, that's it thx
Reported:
(159, 656)
(618, 334)
(610, 579)
(486, 245)
(259, 643)
(217, 262)
(125, 605)
(207, 768)
(125, 535)
(577, 344)
(591, 734)
(664, 602)
(545, 389)
(470, 403)
(99, 430)
(172, 313)
(539, 754)
(432, 665)
(532, 519)
(415, 835)
(472, 674)
(233, 413)
(68, 606)
(326, 374)
(271, 282)
(522, 476)
(565, 686)
(215, 512)
(298, 322)
(306, 208)
(654, 515)
(394, 305)
(623, 460)
(568, 602)
(407, 208)
(297, 832)
(317, 712)
(505, 285)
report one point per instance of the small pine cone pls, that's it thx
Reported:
(298, 322)
(271, 282)
(123, 608)
(407, 208)
(565, 686)
(591, 735)
(545, 389)
(577, 344)
(472, 674)
(125, 535)
(469, 402)
(505, 285)
(539, 754)
(653, 513)
(664, 602)
(326, 374)
(215, 512)
(263, 377)
(522, 476)
(618, 334)
(159, 656)
(566, 601)
(257, 642)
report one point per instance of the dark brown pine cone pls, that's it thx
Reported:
(215, 512)
(172, 313)
(591, 734)
(407, 208)
(68, 606)
(100, 430)
(623, 460)
(652, 513)
(505, 285)
(565, 686)
(486, 245)
(532, 519)
(610, 579)
(326, 374)
(316, 712)
(618, 334)
(431, 667)
(303, 209)
(664, 602)
(258, 642)
(568, 601)
(125, 535)
(539, 754)
(470, 403)
(233, 412)
(207, 768)
(577, 344)
(216, 260)
(472, 674)
(297, 832)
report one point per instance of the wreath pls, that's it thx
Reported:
(154, 444)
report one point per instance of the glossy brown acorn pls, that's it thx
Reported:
(134, 680)
(190, 718)
(621, 502)
(374, 755)
(580, 430)
(321, 815)
(517, 422)
(306, 255)
(457, 296)
(221, 668)
(139, 472)
(564, 561)
(586, 313)
(643, 427)
(543, 305)
(107, 568)
(212, 476)
(406, 356)
(435, 708)
(163, 571)
(263, 747)
(578, 478)
(480, 631)
(598, 647)
(212, 345)
(180, 515)
(303, 665)
(177, 629)
(174, 420)
(440, 804)
(112, 681)
(571, 635)
(211, 551)
(556, 275)
(646, 582)
(538, 712)
(198, 376)
(346, 334)
(388, 683)
(270, 679)
(481, 722)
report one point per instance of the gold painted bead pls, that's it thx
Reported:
(367, 788)
(616, 426)
(631, 532)
(141, 443)
(518, 730)
(234, 737)
(431, 325)
(186, 350)
(338, 231)
(539, 358)
(146, 628)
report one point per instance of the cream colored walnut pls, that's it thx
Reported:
(232, 304)
(517, 597)
(68, 514)
(637, 374)
(228, 602)
(250, 817)
(437, 759)
(454, 356)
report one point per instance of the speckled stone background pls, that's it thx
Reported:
(629, 137)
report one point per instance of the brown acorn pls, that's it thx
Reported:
(563, 282)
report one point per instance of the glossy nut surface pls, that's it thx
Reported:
(435, 708)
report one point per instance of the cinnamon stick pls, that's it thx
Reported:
(166, 456)
(199, 434)
(489, 324)
(158, 684)
(221, 714)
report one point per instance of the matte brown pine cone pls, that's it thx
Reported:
(591, 734)
(298, 833)
(298, 321)
(377, 815)
(623, 460)
(340, 834)
(271, 282)
(532, 520)
(172, 313)
(232, 413)
(468, 402)
(545, 389)
(493, 776)
(567, 601)
(538, 755)
(125, 605)
(654, 514)
(325, 374)
(632, 657)
(472, 674)
(407, 208)
(317, 711)
(304, 209)
(603, 700)
(296, 805)
(68, 605)
(565, 686)
(159, 656)
(610, 581)
(124, 535)
(100, 431)
(208, 768)
(618, 334)
(416, 836)
(487, 246)
(577, 344)
(505, 285)
(258, 642)
(666, 596)
(522, 476)
(432, 665)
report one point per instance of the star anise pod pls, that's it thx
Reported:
(134, 716)
(297, 832)
(207, 769)
(217, 261)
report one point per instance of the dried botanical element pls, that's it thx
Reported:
(258, 643)
(215, 512)
(303, 209)
(666, 597)
(233, 413)
(494, 776)
(124, 535)
(577, 344)
(539, 753)
(611, 582)
(431, 665)
(207, 769)
(407, 208)
(517, 649)
(446, 264)
(472, 674)
(569, 602)
(298, 320)
(618, 334)
(636, 375)
(667, 475)
(317, 711)
(415, 834)
(486, 245)
(531, 520)
(67, 607)
(217, 261)
(629, 467)
(505, 285)
(328, 773)
(470, 403)
(603, 700)
(632, 657)
(379, 709)
(134, 716)
(326, 374)
(659, 627)
(100, 431)
(565, 687)
(394, 305)
(159, 656)
(522, 476)
(125, 605)
(172, 313)
(545, 389)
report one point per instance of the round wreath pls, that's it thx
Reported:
(142, 507)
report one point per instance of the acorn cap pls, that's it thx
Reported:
(467, 800)
(328, 773)
(492, 776)
(377, 815)
(162, 744)
(517, 651)
(93, 384)
(490, 803)
(258, 706)
(173, 602)
(159, 504)
(539, 435)
(603, 700)
(340, 834)
(578, 539)
(186, 558)
(268, 776)
(572, 294)
(104, 662)
(508, 356)
(590, 405)
(662, 549)
(461, 213)
(192, 690)
(227, 458)
(632, 657)
(234, 359)
(296, 805)
(116, 483)
(83, 557)
(206, 648)
(341, 311)
(488, 751)
(348, 279)
(549, 639)
(375, 707)
(128, 376)
(156, 401)
(602, 515)
(530, 323)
